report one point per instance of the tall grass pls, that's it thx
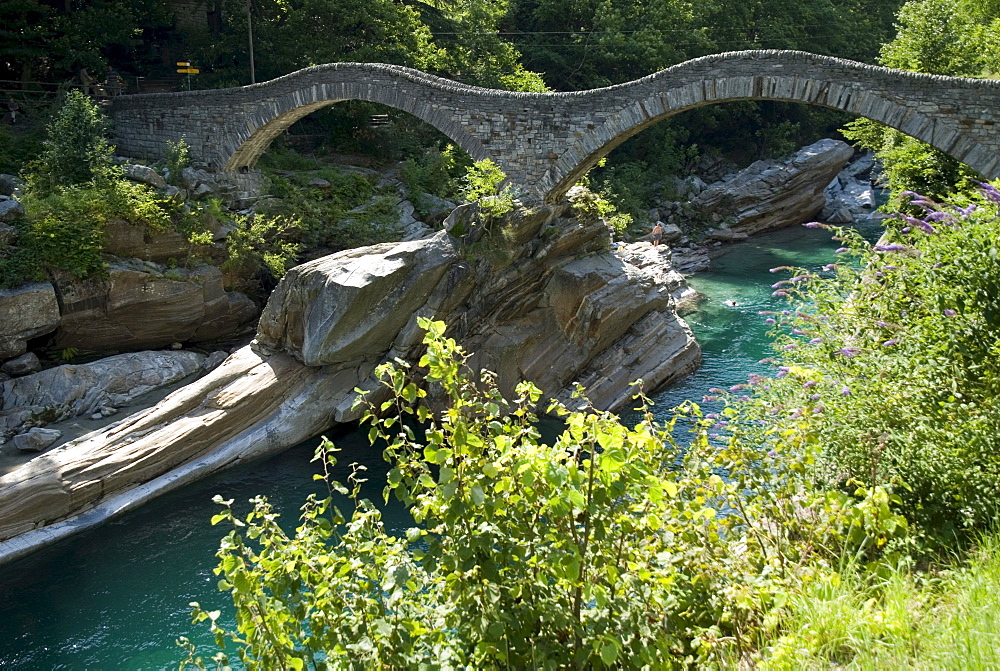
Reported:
(895, 618)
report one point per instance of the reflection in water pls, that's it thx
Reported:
(117, 596)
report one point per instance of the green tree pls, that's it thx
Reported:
(51, 41)
(76, 149)
(940, 37)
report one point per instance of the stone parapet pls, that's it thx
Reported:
(545, 141)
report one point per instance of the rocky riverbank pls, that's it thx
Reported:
(536, 295)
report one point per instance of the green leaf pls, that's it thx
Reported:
(609, 652)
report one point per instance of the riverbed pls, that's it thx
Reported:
(116, 597)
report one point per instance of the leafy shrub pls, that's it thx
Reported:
(351, 213)
(896, 365)
(603, 548)
(435, 172)
(62, 230)
(258, 244)
(278, 157)
(177, 157)
(482, 184)
(589, 203)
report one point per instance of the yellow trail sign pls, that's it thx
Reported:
(188, 71)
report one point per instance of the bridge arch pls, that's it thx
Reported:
(545, 141)
(956, 115)
(268, 121)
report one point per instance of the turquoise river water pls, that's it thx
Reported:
(116, 597)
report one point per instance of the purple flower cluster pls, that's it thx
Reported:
(990, 192)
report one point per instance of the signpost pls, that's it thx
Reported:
(184, 68)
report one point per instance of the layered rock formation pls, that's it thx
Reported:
(82, 389)
(765, 196)
(537, 295)
(29, 310)
(140, 305)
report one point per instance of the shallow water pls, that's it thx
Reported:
(116, 597)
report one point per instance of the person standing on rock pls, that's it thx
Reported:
(657, 234)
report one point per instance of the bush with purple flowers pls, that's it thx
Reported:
(906, 365)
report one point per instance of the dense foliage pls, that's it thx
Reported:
(871, 447)
(940, 37)
(901, 378)
(605, 547)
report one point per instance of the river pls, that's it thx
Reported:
(116, 597)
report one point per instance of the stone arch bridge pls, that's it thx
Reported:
(545, 141)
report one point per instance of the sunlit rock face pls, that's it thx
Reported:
(535, 295)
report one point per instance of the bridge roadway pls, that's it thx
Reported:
(544, 142)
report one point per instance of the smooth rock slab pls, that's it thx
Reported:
(83, 389)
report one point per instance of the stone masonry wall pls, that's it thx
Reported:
(545, 141)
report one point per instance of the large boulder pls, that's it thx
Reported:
(141, 305)
(10, 185)
(773, 194)
(144, 175)
(23, 365)
(339, 307)
(10, 210)
(29, 310)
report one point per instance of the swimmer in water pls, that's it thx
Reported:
(730, 302)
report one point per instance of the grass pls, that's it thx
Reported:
(900, 619)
